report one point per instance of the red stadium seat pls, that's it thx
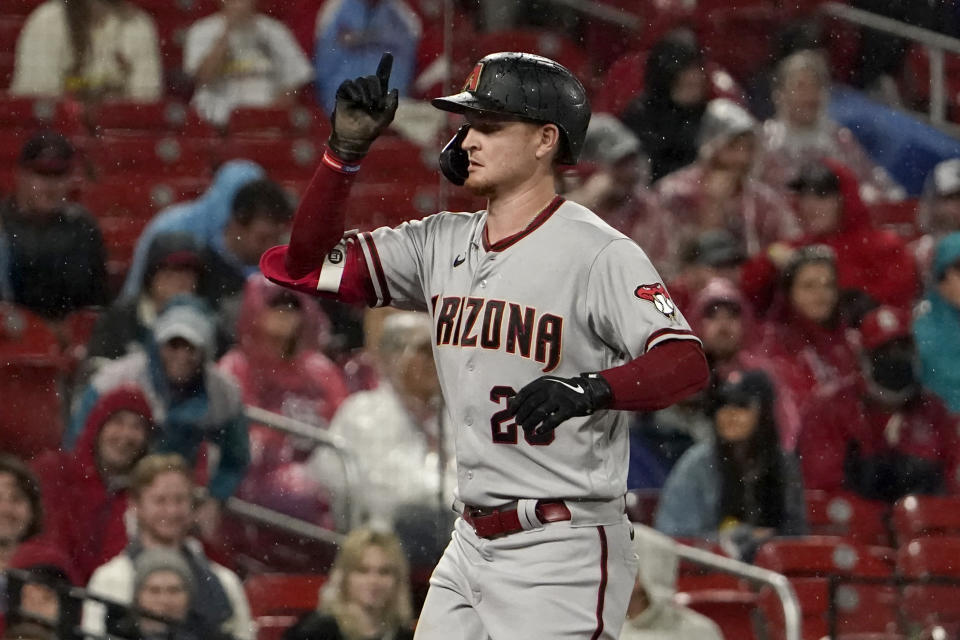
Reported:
(901, 216)
(7, 62)
(298, 121)
(274, 594)
(739, 39)
(11, 140)
(847, 515)
(10, 27)
(137, 199)
(924, 559)
(282, 158)
(822, 556)
(151, 156)
(731, 610)
(130, 118)
(29, 114)
(544, 42)
(19, 7)
(915, 516)
(622, 82)
(31, 383)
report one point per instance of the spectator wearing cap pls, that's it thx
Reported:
(652, 613)
(804, 335)
(718, 191)
(739, 486)
(204, 218)
(192, 401)
(93, 49)
(162, 497)
(279, 367)
(351, 35)
(710, 254)
(89, 485)
(939, 212)
(612, 179)
(54, 255)
(173, 268)
(883, 436)
(666, 117)
(937, 327)
(238, 57)
(21, 506)
(801, 131)
(870, 261)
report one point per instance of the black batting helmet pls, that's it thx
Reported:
(530, 87)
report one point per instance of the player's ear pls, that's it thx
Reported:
(549, 141)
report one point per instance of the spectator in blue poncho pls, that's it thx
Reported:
(191, 400)
(351, 36)
(937, 327)
(204, 218)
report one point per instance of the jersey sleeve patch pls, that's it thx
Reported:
(657, 295)
(331, 273)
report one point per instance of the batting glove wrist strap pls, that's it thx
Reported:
(545, 403)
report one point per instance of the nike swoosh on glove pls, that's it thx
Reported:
(545, 403)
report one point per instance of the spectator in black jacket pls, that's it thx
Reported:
(173, 268)
(51, 252)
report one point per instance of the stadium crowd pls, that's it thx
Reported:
(136, 327)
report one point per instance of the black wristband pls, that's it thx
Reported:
(601, 395)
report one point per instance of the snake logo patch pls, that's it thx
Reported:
(657, 294)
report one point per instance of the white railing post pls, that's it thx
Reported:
(938, 97)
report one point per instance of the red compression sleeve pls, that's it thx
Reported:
(666, 374)
(320, 219)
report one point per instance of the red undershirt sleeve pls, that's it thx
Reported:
(318, 227)
(662, 376)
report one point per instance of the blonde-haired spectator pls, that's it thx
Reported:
(368, 595)
(93, 49)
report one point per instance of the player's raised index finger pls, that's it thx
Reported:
(383, 70)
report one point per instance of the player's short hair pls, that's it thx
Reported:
(152, 466)
(28, 485)
(261, 199)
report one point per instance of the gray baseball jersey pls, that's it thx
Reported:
(567, 295)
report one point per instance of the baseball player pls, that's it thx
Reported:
(547, 325)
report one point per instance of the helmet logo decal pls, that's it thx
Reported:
(473, 80)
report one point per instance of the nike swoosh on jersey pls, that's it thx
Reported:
(459, 260)
(572, 387)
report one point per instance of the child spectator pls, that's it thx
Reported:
(718, 191)
(802, 131)
(162, 495)
(55, 259)
(351, 35)
(203, 218)
(882, 435)
(192, 400)
(238, 57)
(173, 268)
(830, 211)
(89, 485)
(741, 485)
(368, 595)
(666, 117)
(937, 328)
(94, 49)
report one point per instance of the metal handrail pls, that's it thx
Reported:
(321, 438)
(935, 43)
(779, 583)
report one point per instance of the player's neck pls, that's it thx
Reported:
(511, 212)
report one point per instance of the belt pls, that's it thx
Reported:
(492, 523)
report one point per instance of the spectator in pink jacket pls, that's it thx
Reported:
(718, 191)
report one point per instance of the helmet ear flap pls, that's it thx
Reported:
(454, 160)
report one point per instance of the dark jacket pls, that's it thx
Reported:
(56, 265)
(323, 626)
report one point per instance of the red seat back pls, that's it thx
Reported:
(915, 516)
(847, 515)
(273, 594)
(822, 556)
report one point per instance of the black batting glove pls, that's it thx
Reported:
(542, 405)
(365, 107)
